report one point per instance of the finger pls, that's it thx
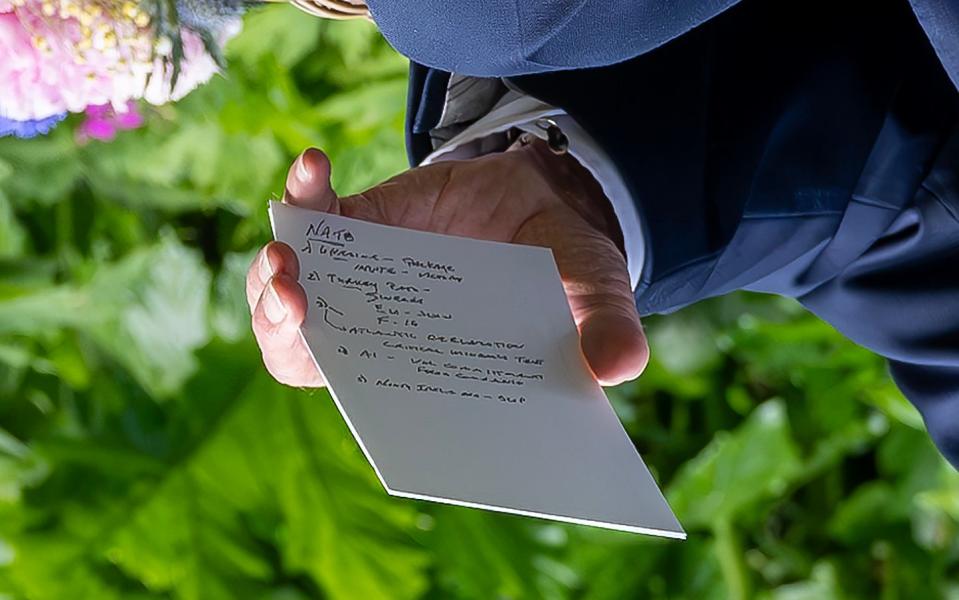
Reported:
(614, 344)
(272, 259)
(308, 183)
(600, 296)
(277, 317)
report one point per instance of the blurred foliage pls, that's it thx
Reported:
(144, 452)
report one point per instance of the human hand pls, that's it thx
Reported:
(523, 196)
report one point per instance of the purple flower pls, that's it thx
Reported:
(29, 129)
(103, 122)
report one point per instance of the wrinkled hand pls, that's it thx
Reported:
(524, 196)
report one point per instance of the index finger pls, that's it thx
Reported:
(276, 258)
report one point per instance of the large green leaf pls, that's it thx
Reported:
(147, 311)
(484, 555)
(271, 466)
(755, 462)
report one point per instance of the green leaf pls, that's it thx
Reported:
(823, 585)
(46, 168)
(342, 528)
(365, 108)
(20, 468)
(870, 506)
(481, 555)
(159, 314)
(148, 311)
(683, 344)
(737, 470)
(231, 314)
(281, 34)
(187, 527)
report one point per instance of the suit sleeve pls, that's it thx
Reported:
(752, 115)
(901, 300)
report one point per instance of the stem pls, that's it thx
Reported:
(729, 553)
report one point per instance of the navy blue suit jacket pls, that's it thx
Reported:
(801, 147)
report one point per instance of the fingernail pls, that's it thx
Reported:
(302, 171)
(272, 307)
(266, 269)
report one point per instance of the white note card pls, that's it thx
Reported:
(456, 364)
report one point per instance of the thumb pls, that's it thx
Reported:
(598, 289)
(614, 344)
(308, 183)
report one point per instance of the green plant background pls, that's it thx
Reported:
(145, 453)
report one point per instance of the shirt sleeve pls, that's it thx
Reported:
(527, 113)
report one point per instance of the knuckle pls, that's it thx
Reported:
(609, 305)
(598, 281)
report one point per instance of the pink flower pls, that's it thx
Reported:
(103, 122)
(64, 56)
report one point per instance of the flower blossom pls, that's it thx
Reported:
(61, 56)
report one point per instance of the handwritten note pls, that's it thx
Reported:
(456, 364)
